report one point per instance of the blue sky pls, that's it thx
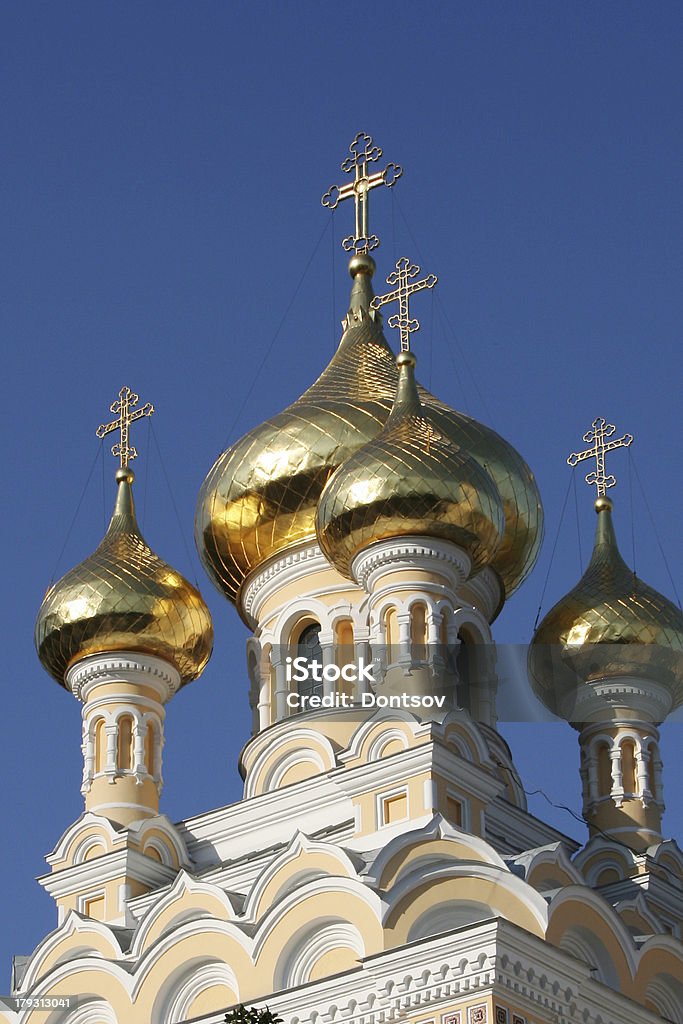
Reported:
(160, 201)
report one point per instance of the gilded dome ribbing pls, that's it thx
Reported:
(412, 479)
(611, 624)
(261, 495)
(124, 598)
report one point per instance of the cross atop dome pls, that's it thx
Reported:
(363, 152)
(597, 435)
(406, 286)
(127, 401)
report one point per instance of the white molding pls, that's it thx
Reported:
(410, 553)
(111, 866)
(122, 667)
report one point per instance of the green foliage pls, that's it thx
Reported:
(252, 1015)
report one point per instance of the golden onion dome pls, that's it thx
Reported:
(262, 493)
(610, 625)
(124, 598)
(412, 479)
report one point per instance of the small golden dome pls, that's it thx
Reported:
(262, 493)
(412, 479)
(124, 598)
(611, 624)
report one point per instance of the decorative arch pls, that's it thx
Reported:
(328, 946)
(76, 936)
(420, 890)
(299, 613)
(584, 924)
(186, 901)
(293, 746)
(423, 847)
(444, 917)
(94, 1011)
(659, 980)
(601, 854)
(286, 926)
(384, 726)
(303, 856)
(198, 981)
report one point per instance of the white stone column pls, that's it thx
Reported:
(617, 792)
(111, 732)
(280, 688)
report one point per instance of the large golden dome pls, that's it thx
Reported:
(124, 598)
(610, 625)
(261, 495)
(412, 479)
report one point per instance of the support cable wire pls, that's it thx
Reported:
(631, 503)
(579, 817)
(275, 336)
(190, 560)
(552, 554)
(334, 290)
(104, 493)
(456, 369)
(656, 533)
(147, 468)
(75, 515)
(461, 353)
(578, 522)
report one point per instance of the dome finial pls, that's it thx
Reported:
(597, 437)
(127, 401)
(362, 153)
(404, 273)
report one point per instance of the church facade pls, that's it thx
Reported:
(382, 865)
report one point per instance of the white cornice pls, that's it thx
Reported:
(601, 700)
(109, 867)
(410, 553)
(123, 667)
(282, 570)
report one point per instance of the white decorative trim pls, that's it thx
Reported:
(324, 937)
(122, 667)
(95, 1011)
(400, 553)
(384, 797)
(279, 572)
(650, 699)
(196, 978)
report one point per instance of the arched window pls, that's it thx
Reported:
(604, 771)
(391, 632)
(628, 766)
(309, 647)
(150, 736)
(100, 746)
(343, 636)
(464, 664)
(652, 757)
(418, 632)
(125, 743)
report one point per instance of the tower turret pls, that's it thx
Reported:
(123, 631)
(608, 657)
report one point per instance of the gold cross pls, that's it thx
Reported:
(127, 400)
(405, 272)
(601, 430)
(362, 153)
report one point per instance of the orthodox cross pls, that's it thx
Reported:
(362, 153)
(598, 434)
(403, 277)
(126, 402)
